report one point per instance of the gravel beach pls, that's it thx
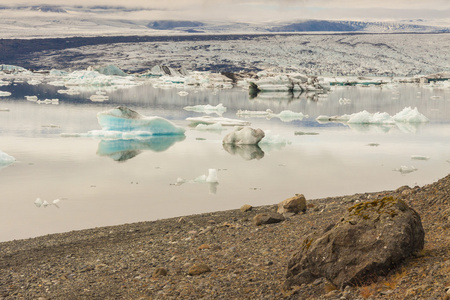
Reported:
(220, 255)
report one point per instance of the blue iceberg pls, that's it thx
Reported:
(125, 120)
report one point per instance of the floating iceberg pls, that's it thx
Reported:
(44, 203)
(254, 113)
(99, 98)
(5, 160)
(244, 136)
(405, 170)
(208, 109)
(272, 142)
(4, 83)
(409, 115)
(212, 127)
(124, 119)
(11, 69)
(212, 179)
(108, 70)
(4, 94)
(221, 120)
(31, 98)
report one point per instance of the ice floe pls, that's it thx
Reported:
(211, 179)
(5, 160)
(212, 127)
(4, 94)
(405, 169)
(407, 115)
(214, 120)
(123, 119)
(244, 136)
(44, 203)
(254, 113)
(219, 109)
(289, 116)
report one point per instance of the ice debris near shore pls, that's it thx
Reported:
(244, 136)
(407, 115)
(405, 169)
(212, 179)
(5, 159)
(219, 109)
(124, 119)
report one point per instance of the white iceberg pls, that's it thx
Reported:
(212, 127)
(44, 203)
(208, 109)
(31, 98)
(4, 83)
(409, 115)
(405, 169)
(244, 136)
(4, 94)
(221, 120)
(5, 159)
(254, 113)
(34, 82)
(124, 119)
(364, 117)
(211, 179)
(99, 98)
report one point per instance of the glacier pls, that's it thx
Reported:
(123, 119)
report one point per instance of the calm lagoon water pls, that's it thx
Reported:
(104, 182)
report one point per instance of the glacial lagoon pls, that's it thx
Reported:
(99, 181)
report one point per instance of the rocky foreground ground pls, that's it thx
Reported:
(220, 255)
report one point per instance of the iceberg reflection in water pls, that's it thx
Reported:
(247, 152)
(125, 149)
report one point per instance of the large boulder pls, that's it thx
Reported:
(370, 239)
(292, 205)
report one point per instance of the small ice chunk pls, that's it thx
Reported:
(420, 157)
(212, 176)
(183, 93)
(56, 201)
(211, 127)
(254, 113)
(31, 98)
(99, 98)
(221, 120)
(244, 136)
(5, 159)
(365, 117)
(124, 119)
(38, 202)
(34, 82)
(405, 169)
(4, 94)
(219, 109)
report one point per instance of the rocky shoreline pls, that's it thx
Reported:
(220, 255)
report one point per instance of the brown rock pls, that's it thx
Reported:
(246, 208)
(268, 218)
(198, 269)
(370, 239)
(159, 272)
(294, 205)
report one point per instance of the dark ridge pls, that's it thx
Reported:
(168, 24)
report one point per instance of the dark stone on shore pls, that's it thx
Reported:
(371, 239)
(268, 218)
